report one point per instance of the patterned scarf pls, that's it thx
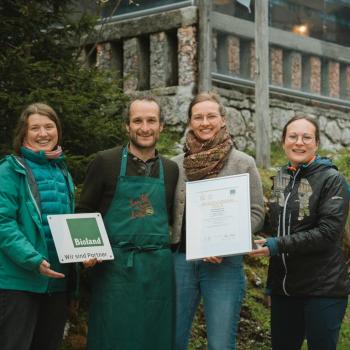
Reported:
(206, 159)
(54, 154)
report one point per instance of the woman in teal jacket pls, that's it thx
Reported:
(34, 182)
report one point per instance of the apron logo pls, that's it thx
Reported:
(141, 207)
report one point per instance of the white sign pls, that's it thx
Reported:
(218, 217)
(80, 237)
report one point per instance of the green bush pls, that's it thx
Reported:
(39, 61)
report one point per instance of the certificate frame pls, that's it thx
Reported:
(218, 217)
(79, 237)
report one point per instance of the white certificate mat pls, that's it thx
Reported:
(218, 217)
(79, 237)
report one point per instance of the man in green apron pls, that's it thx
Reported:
(132, 303)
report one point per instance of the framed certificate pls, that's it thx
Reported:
(218, 217)
(80, 237)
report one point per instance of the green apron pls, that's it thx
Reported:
(132, 302)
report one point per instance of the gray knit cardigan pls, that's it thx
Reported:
(237, 163)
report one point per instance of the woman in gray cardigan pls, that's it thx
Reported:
(209, 152)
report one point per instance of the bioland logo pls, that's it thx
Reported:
(84, 232)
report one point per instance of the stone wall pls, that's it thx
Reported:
(165, 63)
(334, 123)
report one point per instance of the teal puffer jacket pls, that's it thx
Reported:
(52, 182)
(23, 244)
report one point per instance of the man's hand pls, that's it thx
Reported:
(45, 270)
(91, 262)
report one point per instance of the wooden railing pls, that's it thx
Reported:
(303, 65)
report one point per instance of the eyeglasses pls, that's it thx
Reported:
(199, 118)
(306, 139)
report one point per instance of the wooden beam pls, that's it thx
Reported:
(262, 116)
(205, 45)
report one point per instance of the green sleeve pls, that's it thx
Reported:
(13, 242)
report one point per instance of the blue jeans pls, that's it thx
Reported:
(222, 288)
(316, 319)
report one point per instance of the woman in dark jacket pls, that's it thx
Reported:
(307, 278)
(34, 182)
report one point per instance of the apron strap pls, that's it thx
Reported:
(125, 162)
(132, 249)
(161, 170)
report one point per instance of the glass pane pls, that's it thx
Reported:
(234, 8)
(327, 20)
(128, 6)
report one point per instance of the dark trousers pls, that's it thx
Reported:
(32, 321)
(317, 319)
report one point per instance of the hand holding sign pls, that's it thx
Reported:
(91, 262)
(80, 237)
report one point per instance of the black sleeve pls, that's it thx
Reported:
(100, 182)
(170, 177)
(92, 190)
(332, 213)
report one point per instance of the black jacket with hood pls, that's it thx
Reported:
(307, 214)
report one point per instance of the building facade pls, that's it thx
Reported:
(154, 46)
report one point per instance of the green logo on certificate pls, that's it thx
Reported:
(84, 232)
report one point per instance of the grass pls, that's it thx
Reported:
(344, 339)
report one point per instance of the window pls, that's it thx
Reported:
(128, 7)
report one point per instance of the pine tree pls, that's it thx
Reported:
(39, 61)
